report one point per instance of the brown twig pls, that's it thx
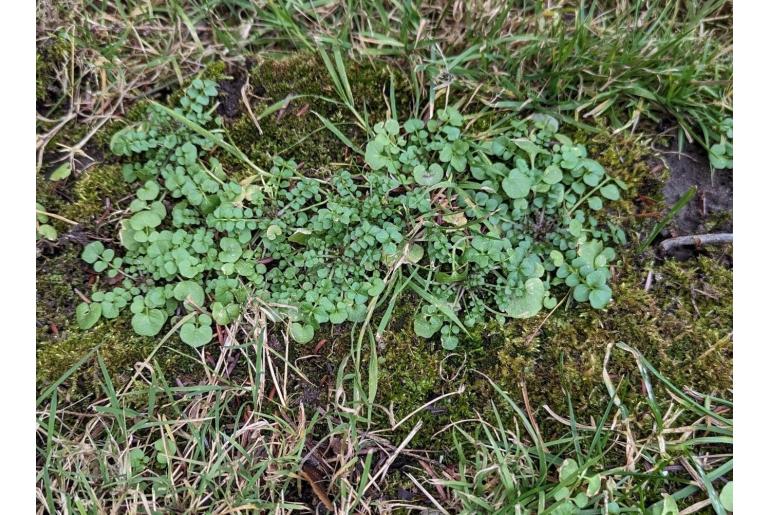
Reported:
(696, 239)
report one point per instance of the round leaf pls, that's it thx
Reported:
(148, 322)
(726, 496)
(517, 184)
(552, 174)
(600, 297)
(428, 177)
(610, 192)
(87, 315)
(92, 251)
(301, 333)
(529, 304)
(191, 293)
(425, 326)
(197, 333)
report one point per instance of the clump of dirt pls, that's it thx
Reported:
(711, 208)
(230, 105)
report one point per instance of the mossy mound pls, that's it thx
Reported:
(681, 324)
(294, 131)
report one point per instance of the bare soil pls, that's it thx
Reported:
(710, 211)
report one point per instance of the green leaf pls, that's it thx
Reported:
(600, 297)
(144, 219)
(726, 496)
(610, 192)
(231, 250)
(87, 315)
(300, 236)
(47, 232)
(149, 322)
(552, 174)
(581, 500)
(378, 286)
(373, 155)
(191, 293)
(414, 253)
(166, 449)
(429, 177)
(517, 184)
(568, 471)
(149, 191)
(273, 232)
(426, 326)
(413, 125)
(223, 314)
(301, 333)
(92, 251)
(528, 146)
(594, 485)
(197, 332)
(62, 172)
(449, 341)
(529, 304)
(665, 507)
(580, 293)
(595, 203)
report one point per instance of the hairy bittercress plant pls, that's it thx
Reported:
(489, 226)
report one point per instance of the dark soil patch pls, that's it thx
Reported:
(710, 211)
(230, 94)
(713, 200)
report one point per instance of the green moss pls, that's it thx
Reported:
(119, 347)
(295, 132)
(41, 80)
(681, 329)
(682, 325)
(57, 278)
(94, 188)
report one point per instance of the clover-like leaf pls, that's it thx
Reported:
(197, 331)
(426, 326)
(600, 297)
(144, 220)
(191, 293)
(62, 172)
(301, 333)
(449, 341)
(610, 192)
(568, 471)
(530, 303)
(148, 322)
(87, 315)
(516, 184)
(166, 449)
(428, 177)
(726, 496)
(149, 191)
(92, 251)
(552, 174)
(223, 314)
(594, 485)
(377, 287)
(231, 250)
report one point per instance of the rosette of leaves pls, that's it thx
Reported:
(487, 226)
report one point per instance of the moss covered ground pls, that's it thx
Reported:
(682, 321)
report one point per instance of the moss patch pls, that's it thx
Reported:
(295, 132)
(96, 193)
(682, 324)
